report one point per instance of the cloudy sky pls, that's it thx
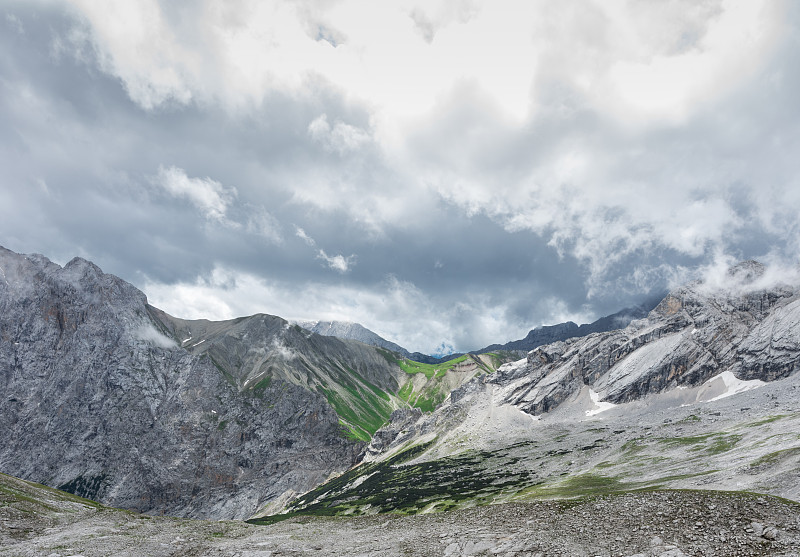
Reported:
(448, 173)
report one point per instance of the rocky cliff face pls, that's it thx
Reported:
(98, 397)
(693, 334)
(697, 336)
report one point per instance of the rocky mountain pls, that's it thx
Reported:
(358, 381)
(693, 334)
(356, 331)
(553, 333)
(108, 397)
(98, 397)
(353, 331)
(702, 393)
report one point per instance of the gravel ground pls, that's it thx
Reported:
(649, 523)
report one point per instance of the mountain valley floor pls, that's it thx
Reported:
(649, 522)
(38, 521)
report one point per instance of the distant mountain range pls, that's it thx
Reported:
(554, 333)
(535, 338)
(356, 331)
(353, 331)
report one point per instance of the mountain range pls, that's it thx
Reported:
(106, 397)
(536, 337)
(110, 398)
(553, 333)
(701, 393)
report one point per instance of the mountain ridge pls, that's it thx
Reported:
(701, 393)
(99, 400)
(110, 398)
(547, 334)
(356, 331)
(538, 336)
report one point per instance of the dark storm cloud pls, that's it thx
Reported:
(85, 172)
(466, 225)
(639, 202)
(80, 156)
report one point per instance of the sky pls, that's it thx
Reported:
(448, 173)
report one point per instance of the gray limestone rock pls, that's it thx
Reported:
(98, 397)
(694, 334)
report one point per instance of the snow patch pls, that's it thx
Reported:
(599, 406)
(724, 385)
(148, 333)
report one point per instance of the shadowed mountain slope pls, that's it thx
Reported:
(110, 398)
(96, 397)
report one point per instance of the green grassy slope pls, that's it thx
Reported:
(429, 384)
(363, 407)
(20, 498)
(363, 384)
(567, 461)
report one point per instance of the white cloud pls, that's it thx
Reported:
(720, 275)
(148, 333)
(15, 23)
(341, 138)
(635, 61)
(138, 44)
(525, 66)
(283, 351)
(395, 309)
(338, 263)
(393, 55)
(261, 223)
(724, 42)
(300, 233)
(208, 195)
(613, 130)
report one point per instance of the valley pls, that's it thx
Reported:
(40, 521)
(674, 435)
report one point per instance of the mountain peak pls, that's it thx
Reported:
(747, 272)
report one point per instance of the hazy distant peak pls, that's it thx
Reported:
(352, 331)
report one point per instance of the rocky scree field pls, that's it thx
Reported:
(35, 520)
